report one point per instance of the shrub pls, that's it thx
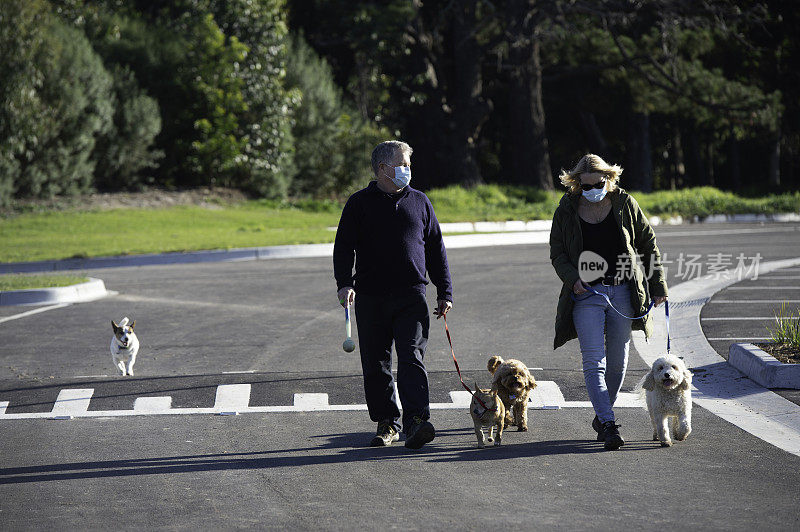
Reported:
(333, 144)
(56, 98)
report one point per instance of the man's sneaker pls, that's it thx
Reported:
(385, 436)
(611, 437)
(419, 433)
(598, 428)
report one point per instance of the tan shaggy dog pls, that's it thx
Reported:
(487, 416)
(513, 384)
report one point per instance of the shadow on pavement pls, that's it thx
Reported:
(350, 449)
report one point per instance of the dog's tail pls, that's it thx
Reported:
(123, 322)
(493, 364)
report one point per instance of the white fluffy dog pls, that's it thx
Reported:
(124, 346)
(669, 399)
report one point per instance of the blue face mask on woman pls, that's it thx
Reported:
(594, 195)
(402, 176)
(594, 192)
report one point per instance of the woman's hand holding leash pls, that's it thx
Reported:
(659, 299)
(578, 288)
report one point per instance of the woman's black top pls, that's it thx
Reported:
(604, 239)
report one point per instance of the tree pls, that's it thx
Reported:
(57, 99)
(332, 142)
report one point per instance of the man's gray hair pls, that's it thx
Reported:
(385, 153)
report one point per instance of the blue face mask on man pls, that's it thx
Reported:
(402, 176)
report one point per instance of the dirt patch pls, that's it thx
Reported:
(787, 354)
(210, 198)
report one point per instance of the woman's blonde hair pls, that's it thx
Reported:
(589, 164)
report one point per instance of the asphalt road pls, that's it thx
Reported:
(277, 326)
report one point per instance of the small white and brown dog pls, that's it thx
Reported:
(513, 383)
(668, 389)
(124, 346)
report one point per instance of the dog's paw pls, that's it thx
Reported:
(496, 442)
(522, 428)
(666, 443)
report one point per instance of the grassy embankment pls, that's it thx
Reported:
(30, 236)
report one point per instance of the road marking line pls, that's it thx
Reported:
(461, 398)
(770, 277)
(630, 400)
(547, 393)
(712, 232)
(739, 318)
(311, 401)
(232, 397)
(34, 311)
(72, 402)
(737, 338)
(237, 372)
(748, 301)
(152, 404)
(764, 288)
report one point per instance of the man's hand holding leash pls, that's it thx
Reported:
(443, 306)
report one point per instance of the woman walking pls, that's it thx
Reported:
(599, 240)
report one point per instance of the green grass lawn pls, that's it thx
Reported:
(64, 234)
(26, 282)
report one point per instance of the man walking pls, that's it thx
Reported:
(391, 232)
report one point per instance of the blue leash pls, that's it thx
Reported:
(608, 300)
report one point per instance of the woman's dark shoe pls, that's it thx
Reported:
(611, 437)
(598, 428)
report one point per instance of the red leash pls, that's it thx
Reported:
(453, 352)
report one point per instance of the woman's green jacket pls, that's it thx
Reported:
(639, 240)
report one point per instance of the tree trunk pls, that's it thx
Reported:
(528, 159)
(678, 168)
(775, 162)
(696, 174)
(639, 167)
(596, 141)
(735, 162)
(710, 164)
(468, 109)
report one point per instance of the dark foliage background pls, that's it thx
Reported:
(288, 97)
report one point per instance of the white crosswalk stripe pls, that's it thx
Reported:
(232, 399)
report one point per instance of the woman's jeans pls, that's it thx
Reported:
(605, 337)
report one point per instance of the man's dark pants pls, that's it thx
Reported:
(405, 321)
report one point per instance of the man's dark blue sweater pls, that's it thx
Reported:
(395, 239)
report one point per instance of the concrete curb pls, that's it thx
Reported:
(78, 293)
(485, 234)
(718, 386)
(262, 253)
(763, 368)
(780, 217)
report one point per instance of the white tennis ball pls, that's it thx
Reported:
(349, 345)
